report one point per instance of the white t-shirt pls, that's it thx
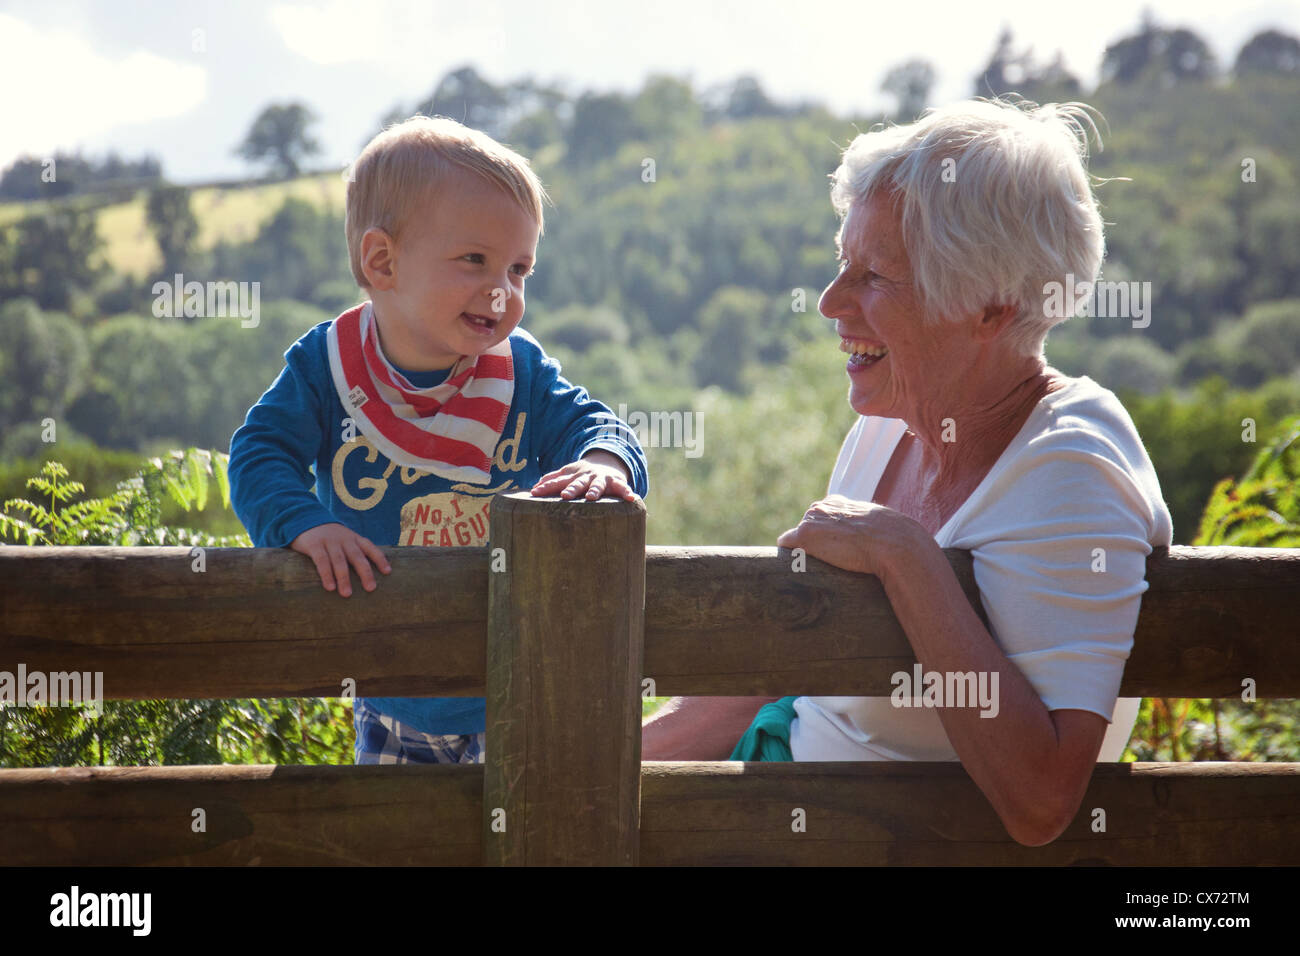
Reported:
(1074, 479)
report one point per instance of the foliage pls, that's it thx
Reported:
(279, 137)
(909, 83)
(468, 98)
(49, 255)
(1012, 72)
(1158, 55)
(174, 226)
(296, 251)
(1269, 51)
(66, 174)
(132, 514)
(1197, 438)
(1261, 510)
(43, 364)
(154, 732)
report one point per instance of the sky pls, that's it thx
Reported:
(184, 80)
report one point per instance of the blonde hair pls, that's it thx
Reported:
(996, 203)
(402, 166)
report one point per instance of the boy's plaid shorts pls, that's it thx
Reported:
(385, 740)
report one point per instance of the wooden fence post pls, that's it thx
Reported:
(566, 624)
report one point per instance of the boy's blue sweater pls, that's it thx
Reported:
(299, 422)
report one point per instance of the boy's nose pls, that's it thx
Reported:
(499, 296)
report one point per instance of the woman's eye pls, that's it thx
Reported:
(867, 274)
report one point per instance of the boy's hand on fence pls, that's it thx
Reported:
(331, 547)
(597, 474)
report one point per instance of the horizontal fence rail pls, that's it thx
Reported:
(556, 623)
(718, 621)
(912, 814)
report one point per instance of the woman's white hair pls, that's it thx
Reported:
(996, 203)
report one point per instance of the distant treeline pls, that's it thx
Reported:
(68, 174)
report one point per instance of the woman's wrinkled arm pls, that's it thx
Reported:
(698, 728)
(1032, 764)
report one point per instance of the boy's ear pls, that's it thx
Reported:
(377, 259)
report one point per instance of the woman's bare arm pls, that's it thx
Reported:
(1033, 764)
(698, 728)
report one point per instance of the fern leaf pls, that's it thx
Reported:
(221, 464)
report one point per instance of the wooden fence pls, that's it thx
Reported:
(555, 624)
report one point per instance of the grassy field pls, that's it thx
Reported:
(225, 214)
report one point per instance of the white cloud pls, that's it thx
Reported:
(405, 40)
(60, 92)
(336, 33)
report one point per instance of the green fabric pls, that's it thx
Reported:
(768, 737)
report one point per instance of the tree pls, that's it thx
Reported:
(1132, 363)
(279, 136)
(1269, 52)
(601, 123)
(728, 344)
(580, 327)
(295, 251)
(1052, 82)
(1006, 69)
(666, 109)
(174, 225)
(1011, 72)
(142, 386)
(43, 365)
(746, 99)
(466, 97)
(910, 84)
(1157, 55)
(31, 178)
(62, 174)
(537, 115)
(50, 255)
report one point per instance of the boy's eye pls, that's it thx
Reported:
(475, 257)
(523, 270)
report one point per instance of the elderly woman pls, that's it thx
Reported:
(955, 232)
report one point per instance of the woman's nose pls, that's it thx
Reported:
(830, 299)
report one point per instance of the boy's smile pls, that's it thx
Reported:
(453, 283)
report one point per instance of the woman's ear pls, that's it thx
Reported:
(378, 259)
(995, 319)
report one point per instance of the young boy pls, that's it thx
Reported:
(419, 405)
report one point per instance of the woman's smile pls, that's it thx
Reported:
(862, 354)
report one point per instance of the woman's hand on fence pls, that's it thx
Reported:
(854, 535)
(331, 547)
(598, 474)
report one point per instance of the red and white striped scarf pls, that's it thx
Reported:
(450, 430)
